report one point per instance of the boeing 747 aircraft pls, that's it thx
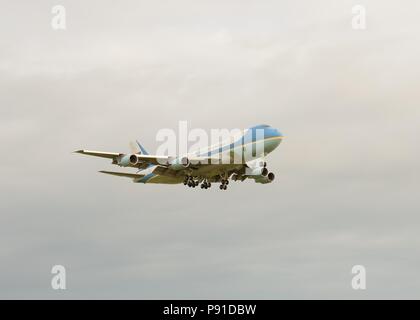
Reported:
(215, 164)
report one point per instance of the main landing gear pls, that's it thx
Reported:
(193, 182)
(224, 183)
(190, 182)
(206, 184)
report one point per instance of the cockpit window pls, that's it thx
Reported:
(261, 126)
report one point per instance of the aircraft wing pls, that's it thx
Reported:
(166, 160)
(148, 159)
(153, 159)
(109, 155)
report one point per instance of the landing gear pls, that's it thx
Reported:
(189, 181)
(206, 184)
(224, 183)
(193, 182)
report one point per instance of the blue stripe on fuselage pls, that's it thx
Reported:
(252, 135)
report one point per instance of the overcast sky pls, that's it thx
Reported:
(347, 175)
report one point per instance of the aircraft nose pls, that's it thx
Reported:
(275, 132)
(278, 133)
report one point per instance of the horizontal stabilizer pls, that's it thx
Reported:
(124, 174)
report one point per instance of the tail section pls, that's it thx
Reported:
(124, 174)
(143, 150)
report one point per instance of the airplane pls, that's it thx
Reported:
(204, 166)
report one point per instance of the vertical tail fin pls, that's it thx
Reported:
(143, 150)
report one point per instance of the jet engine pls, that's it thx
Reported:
(134, 160)
(264, 179)
(179, 163)
(127, 160)
(254, 171)
(124, 160)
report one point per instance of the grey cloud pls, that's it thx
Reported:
(346, 175)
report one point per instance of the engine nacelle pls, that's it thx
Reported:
(264, 179)
(134, 160)
(258, 171)
(264, 171)
(124, 161)
(128, 160)
(179, 163)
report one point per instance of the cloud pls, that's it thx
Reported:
(345, 191)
